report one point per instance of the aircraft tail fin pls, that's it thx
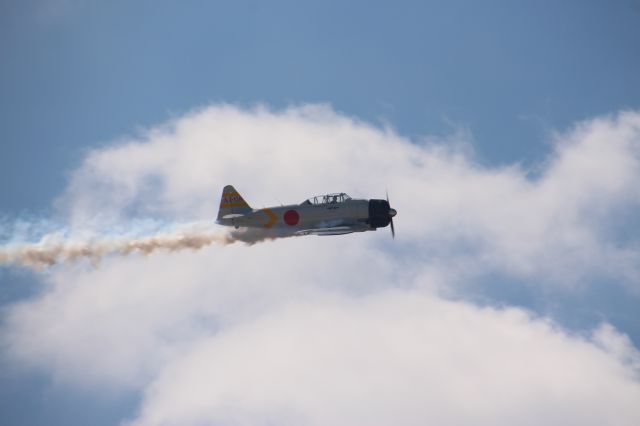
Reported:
(232, 203)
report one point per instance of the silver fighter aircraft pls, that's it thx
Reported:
(331, 214)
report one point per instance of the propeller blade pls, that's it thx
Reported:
(392, 213)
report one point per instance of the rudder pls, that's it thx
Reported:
(232, 203)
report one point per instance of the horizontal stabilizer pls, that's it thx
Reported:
(232, 216)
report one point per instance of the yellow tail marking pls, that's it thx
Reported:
(232, 199)
(272, 218)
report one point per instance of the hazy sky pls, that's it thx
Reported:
(507, 132)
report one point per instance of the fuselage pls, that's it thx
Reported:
(300, 216)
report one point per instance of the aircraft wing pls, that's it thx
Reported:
(334, 230)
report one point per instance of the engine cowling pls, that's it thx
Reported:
(379, 213)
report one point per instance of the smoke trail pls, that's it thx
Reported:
(51, 251)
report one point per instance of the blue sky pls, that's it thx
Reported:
(507, 75)
(79, 73)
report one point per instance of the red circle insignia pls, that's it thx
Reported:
(291, 217)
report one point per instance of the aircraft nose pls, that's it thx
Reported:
(392, 212)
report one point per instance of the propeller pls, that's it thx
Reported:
(392, 213)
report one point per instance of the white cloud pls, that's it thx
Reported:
(393, 358)
(347, 329)
(504, 220)
(118, 324)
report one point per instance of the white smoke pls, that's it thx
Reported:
(52, 249)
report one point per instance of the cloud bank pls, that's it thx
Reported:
(353, 329)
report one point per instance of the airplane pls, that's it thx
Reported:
(330, 214)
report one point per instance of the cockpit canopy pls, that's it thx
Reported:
(327, 199)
